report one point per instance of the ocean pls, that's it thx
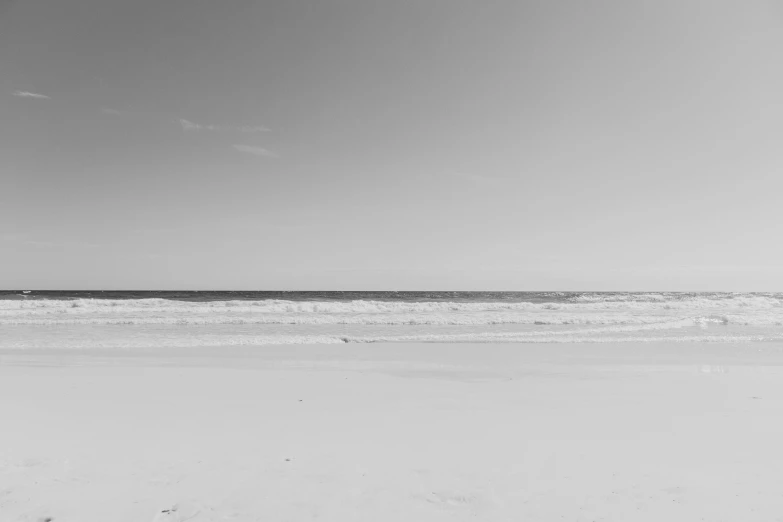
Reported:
(149, 319)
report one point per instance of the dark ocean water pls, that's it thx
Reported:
(389, 296)
(244, 295)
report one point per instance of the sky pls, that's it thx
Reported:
(391, 145)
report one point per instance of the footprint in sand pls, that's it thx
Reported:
(451, 499)
(477, 503)
(176, 513)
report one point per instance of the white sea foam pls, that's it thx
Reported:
(589, 310)
(636, 302)
(582, 318)
(396, 319)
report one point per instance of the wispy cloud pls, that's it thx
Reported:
(188, 125)
(27, 94)
(256, 151)
(40, 244)
(113, 112)
(248, 128)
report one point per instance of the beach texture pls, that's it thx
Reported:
(390, 432)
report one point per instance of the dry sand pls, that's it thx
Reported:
(427, 432)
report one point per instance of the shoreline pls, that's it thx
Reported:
(493, 357)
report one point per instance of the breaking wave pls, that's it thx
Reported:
(585, 302)
(587, 317)
(588, 309)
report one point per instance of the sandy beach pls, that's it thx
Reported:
(391, 261)
(611, 432)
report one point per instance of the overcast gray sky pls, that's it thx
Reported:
(452, 144)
